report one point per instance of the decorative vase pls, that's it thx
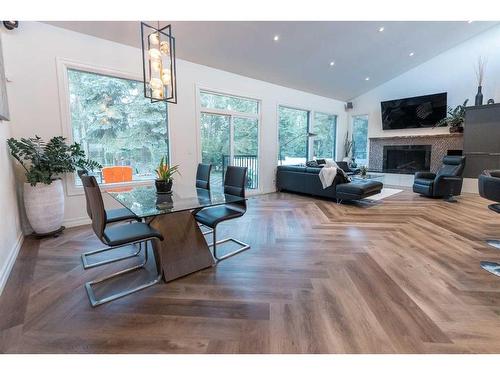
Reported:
(44, 205)
(479, 96)
(163, 187)
(164, 202)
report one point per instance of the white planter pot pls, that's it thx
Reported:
(44, 206)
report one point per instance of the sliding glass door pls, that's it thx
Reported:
(229, 135)
(325, 128)
(360, 139)
(292, 138)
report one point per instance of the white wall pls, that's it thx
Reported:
(30, 59)
(10, 229)
(451, 72)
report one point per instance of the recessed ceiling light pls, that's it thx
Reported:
(380, 29)
(367, 78)
(332, 63)
(276, 38)
(411, 54)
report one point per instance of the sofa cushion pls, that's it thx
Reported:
(360, 187)
(292, 168)
(314, 170)
(424, 181)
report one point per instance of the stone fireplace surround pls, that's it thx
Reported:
(440, 144)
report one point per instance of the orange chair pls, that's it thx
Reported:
(116, 174)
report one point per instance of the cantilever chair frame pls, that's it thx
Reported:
(96, 302)
(243, 246)
(98, 215)
(85, 261)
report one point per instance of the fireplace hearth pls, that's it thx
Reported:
(406, 158)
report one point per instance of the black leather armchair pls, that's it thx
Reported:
(489, 188)
(446, 183)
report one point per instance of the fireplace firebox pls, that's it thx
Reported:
(407, 158)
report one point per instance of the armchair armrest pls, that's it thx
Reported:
(448, 185)
(426, 175)
(489, 187)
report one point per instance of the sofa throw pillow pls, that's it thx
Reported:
(343, 177)
(313, 163)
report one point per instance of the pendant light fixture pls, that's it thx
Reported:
(158, 63)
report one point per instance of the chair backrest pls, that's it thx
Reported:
(84, 172)
(117, 174)
(203, 176)
(489, 185)
(95, 205)
(235, 182)
(453, 165)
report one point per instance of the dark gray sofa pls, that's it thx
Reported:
(305, 180)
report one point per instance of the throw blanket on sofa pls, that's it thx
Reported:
(328, 173)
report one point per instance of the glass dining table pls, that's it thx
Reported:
(184, 249)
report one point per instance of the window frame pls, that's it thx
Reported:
(310, 128)
(311, 140)
(367, 135)
(62, 66)
(258, 116)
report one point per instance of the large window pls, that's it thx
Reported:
(360, 139)
(117, 126)
(325, 128)
(229, 135)
(295, 146)
(293, 139)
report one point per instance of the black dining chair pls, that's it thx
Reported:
(235, 181)
(203, 182)
(489, 188)
(112, 216)
(203, 176)
(116, 236)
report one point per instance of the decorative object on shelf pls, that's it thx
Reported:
(353, 163)
(348, 145)
(491, 101)
(158, 63)
(481, 64)
(455, 118)
(4, 104)
(44, 163)
(164, 175)
(363, 170)
(308, 135)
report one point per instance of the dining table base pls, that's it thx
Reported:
(184, 249)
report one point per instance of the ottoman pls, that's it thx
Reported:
(358, 189)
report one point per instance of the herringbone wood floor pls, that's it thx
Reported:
(399, 276)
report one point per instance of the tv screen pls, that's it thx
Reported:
(417, 112)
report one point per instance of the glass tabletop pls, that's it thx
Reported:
(143, 201)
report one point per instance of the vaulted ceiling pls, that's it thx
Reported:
(364, 54)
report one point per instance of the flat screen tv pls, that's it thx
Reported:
(417, 112)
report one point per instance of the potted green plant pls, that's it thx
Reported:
(455, 118)
(44, 163)
(164, 174)
(363, 170)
